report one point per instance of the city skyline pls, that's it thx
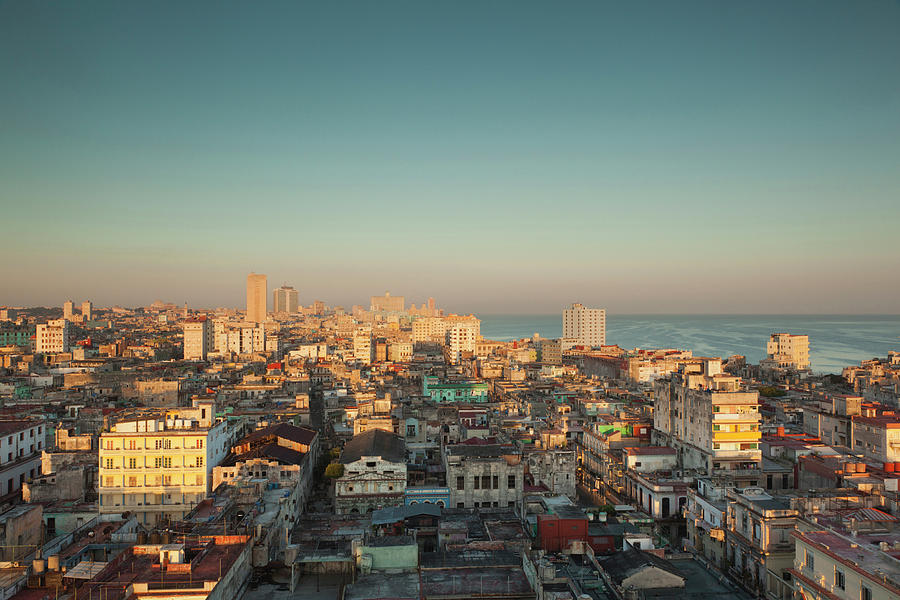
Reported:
(683, 158)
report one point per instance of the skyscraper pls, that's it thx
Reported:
(586, 326)
(256, 298)
(87, 311)
(388, 303)
(68, 310)
(285, 300)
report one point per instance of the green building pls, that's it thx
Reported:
(15, 335)
(464, 391)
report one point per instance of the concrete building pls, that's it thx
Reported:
(285, 300)
(199, 338)
(21, 445)
(68, 310)
(87, 311)
(256, 298)
(400, 351)
(461, 337)
(760, 550)
(52, 337)
(159, 465)
(362, 348)
(484, 475)
(828, 565)
(711, 422)
(388, 303)
(587, 326)
(374, 473)
(877, 437)
(789, 350)
(551, 352)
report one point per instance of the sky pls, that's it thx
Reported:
(646, 157)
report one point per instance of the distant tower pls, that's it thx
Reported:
(585, 326)
(87, 310)
(256, 298)
(285, 300)
(431, 307)
(185, 313)
(68, 310)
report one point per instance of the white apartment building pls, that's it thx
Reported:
(400, 351)
(239, 338)
(159, 467)
(52, 336)
(199, 338)
(461, 337)
(21, 445)
(585, 325)
(68, 310)
(789, 350)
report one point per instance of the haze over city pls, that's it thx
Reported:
(691, 157)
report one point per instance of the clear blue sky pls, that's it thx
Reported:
(643, 156)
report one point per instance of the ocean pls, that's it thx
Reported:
(835, 341)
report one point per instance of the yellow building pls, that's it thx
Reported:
(787, 350)
(159, 465)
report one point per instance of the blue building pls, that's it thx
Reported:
(427, 494)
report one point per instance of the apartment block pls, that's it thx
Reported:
(52, 336)
(21, 445)
(787, 350)
(199, 338)
(710, 420)
(586, 326)
(158, 465)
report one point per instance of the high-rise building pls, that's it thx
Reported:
(789, 350)
(52, 336)
(587, 326)
(388, 303)
(199, 338)
(68, 310)
(710, 420)
(462, 335)
(285, 300)
(362, 347)
(159, 466)
(256, 298)
(87, 311)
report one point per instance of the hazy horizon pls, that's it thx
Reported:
(512, 157)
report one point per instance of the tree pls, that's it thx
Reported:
(334, 470)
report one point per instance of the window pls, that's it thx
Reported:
(199, 461)
(839, 579)
(157, 444)
(132, 463)
(109, 463)
(865, 593)
(460, 483)
(200, 443)
(158, 462)
(410, 430)
(167, 462)
(167, 444)
(485, 482)
(132, 444)
(511, 482)
(108, 481)
(810, 561)
(496, 483)
(477, 483)
(109, 444)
